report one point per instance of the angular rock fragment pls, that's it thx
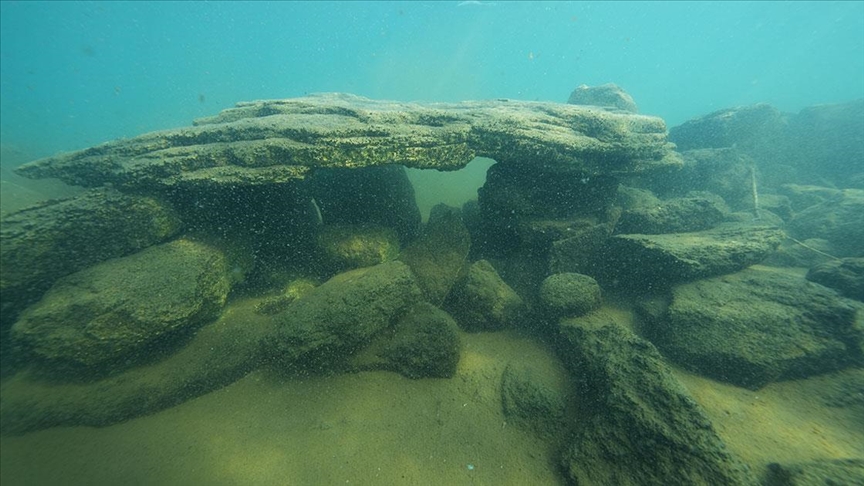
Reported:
(424, 343)
(482, 301)
(846, 276)
(652, 262)
(756, 326)
(640, 412)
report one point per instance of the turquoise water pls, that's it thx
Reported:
(75, 74)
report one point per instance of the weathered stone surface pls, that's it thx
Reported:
(658, 261)
(827, 141)
(218, 354)
(608, 95)
(754, 327)
(370, 195)
(535, 397)
(424, 343)
(743, 126)
(817, 473)
(722, 171)
(437, 258)
(844, 389)
(108, 312)
(773, 203)
(482, 301)
(569, 295)
(845, 276)
(678, 215)
(803, 196)
(318, 328)
(344, 247)
(525, 209)
(578, 251)
(39, 245)
(342, 315)
(272, 141)
(638, 411)
(840, 221)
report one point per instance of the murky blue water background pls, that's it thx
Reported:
(76, 74)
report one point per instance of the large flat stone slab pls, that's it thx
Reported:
(275, 141)
(651, 262)
(756, 326)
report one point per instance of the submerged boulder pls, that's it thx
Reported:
(341, 316)
(482, 301)
(839, 220)
(651, 262)
(438, 257)
(344, 247)
(677, 215)
(747, 127)
(569, 295)
(608, 95)
(638, 411)
(845, 276)
(424, 343)
(319, 328)
(536, 397)
(109, 312)
(754, 327)
(38, 245)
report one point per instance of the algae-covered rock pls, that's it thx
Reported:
(342, 315)
(609, 95)
(839, 220)
(424, 343)
(482, 301)
(816, 473)
(39, 245)
(321, 327)
(845, 276)
(569, 294)
(646, 262)
(756, 326)
(747, 127)
(216, 355)
(638, 411)
(108, 312)
(439, 255)
(274, 141)
(678, 215)
(535, 397)
(293, 291)
(344, 247)
(804, 196)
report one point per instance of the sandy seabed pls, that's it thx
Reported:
(380, 428)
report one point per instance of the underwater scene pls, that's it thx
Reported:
(432, 243)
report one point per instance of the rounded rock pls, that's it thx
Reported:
(570, 294)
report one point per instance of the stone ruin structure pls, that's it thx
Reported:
(112, 301)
